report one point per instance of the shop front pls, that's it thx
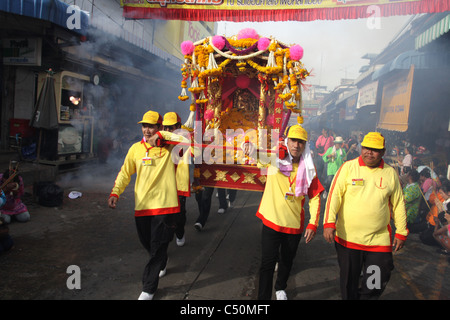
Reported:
(73, 138)
(414, 112)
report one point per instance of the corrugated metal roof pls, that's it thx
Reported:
(50, 10)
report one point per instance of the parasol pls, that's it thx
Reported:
(45, 114)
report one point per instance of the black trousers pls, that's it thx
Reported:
(276, 247)
(180, 218)
(155, 234)
(376, 270)
(204, 204)
(223, 203)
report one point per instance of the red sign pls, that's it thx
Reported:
(276, 10)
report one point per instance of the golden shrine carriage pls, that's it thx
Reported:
(243, 89)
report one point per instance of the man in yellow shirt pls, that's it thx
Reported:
(172, 122)
(281, 211)
(364, 196)
(156, 199)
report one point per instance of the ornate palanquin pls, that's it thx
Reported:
(242, 177)
(243, 89)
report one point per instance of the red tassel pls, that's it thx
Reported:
(282, 152)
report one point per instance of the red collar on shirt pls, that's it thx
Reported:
(158, 133)
(145, 145)
(362, 164)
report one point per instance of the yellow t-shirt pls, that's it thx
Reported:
(285, 215)
(182, 175)
(361, 204)
(155, 187)
(181, 155)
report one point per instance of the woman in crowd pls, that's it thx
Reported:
(14, 207)
(334, 157)
(406, 162)
(412, 195)
(427, 184)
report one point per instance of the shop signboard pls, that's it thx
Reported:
(22, 51)
(396, 101)
(368, 95)
(350, 107)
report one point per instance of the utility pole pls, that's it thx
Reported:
(320, 72)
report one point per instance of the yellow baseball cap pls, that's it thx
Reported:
(297, 132)
(171, 118)
(374, 140)
(151, 117)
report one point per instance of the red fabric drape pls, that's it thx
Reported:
(338, 13)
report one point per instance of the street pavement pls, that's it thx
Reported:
(220, 263)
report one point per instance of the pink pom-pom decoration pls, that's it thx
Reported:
(187, 47)
(263, 44)
(270, 120)
(247, 33)
(296, 52)
(218, 42)
(209, 114)
(242, 81)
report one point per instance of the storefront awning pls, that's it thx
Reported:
(55, 11)
(437, 30)
(347, 95)
(420, 60)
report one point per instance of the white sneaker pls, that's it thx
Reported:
(230, 204)
(281, 295)
(163, 272)
(221, 211)
(146, 296)
(180, 242)
(198, 226)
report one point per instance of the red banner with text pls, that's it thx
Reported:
(276, 10)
